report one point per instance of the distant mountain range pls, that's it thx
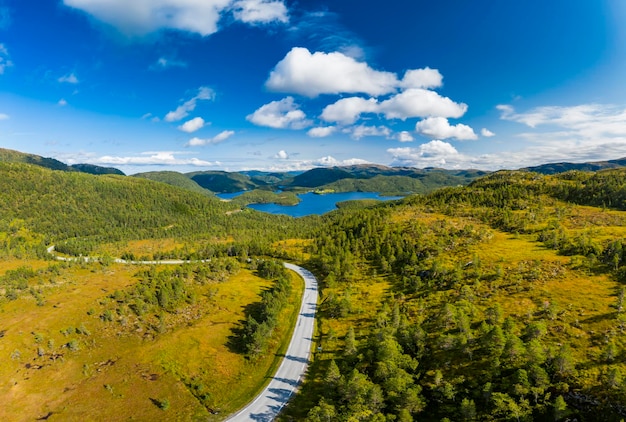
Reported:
(363, 178)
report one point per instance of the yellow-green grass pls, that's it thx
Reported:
(117, 375)
(366, 297)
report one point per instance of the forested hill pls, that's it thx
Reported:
(11, 156)
(554, 168)
(175, 179)
(503, 300)
(65, 205)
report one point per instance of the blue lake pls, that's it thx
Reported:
(311, 203)
(231, 195)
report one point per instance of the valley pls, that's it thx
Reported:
(499, 300)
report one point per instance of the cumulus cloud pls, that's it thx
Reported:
(360, 131)
(440, 128)
(422, 78)
(311, 74)
(221, 137)
(5, 60)
(487, 133)
(347, 110)
(405, 136)
(192, 125)
(281, 114)
(70, 78)
(260, 11)
(282, 155)
(434, 153)
(62, 102)
(183, 110)
(417, 102)
(140, 17)
(321, 131)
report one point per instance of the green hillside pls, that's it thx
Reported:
(222, 182)
(11, 156)
(175, 179)
(64, 205)
(502, 300)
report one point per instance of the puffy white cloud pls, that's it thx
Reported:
(183, 110)
(405, 136)
(70, 78)
(417, 102)
(140, 17)
(62, 102)
(5, 60)
(433, 153)
(280, 115)
(330, 161)
(321, 131)
(301, 72)
(360, 131)
(347, 110)
(440, 128)
(260, 11)
(221, 137)
(282, 155)
(422, 78)
(487, 133)
(192, 125)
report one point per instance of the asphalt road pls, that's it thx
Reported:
(284, 383)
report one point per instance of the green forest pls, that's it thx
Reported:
(502, 298)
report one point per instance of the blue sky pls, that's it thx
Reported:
(190, 85)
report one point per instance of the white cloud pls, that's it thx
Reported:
(417, 102)
(358, 132)
(62, 102)
(183, 110)
(192, 125)
(168, 158)
(487, 133)
(5, 60)
(434, 153)
(281, 114)
(282, 155)
(4, 116)
(301, 165)
(260, 11)
(220, 137)
(347, 110)
(140, 17)
(587, 119)
(439, 128)
(405, 136)
(70, 78)
(582, 133)
(301, 72)
(321, 131)
(422, 78)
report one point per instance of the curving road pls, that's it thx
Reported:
(266, 406)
